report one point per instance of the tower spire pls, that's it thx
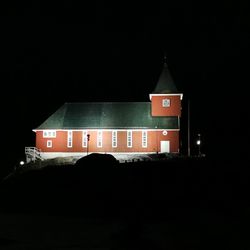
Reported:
(165, 84)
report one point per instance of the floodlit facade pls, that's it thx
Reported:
(77, 129)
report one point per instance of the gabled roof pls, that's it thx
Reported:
(165, 84)
(107, 115)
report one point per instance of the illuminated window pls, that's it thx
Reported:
(166, 103)
(49, 134)
(99, 139)
(129, 139)
(144, 139)
(84, 139)
(70, 139)
(49, 144)
(114, 139)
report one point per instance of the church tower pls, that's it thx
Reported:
(166, 99)
(166, 104)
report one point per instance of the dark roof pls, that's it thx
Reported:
(165, 84)
(107, 115)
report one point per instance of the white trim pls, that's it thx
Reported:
(114, 139)
(144, 139)
(111, 129)
(49, 142)
(129, 139)
(84, 138)
(180, 94)
(70, 139)
(99, 139)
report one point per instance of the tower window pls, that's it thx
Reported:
(166, 103)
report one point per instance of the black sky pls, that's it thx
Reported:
(53, 53)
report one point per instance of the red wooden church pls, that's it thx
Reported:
(77, 129)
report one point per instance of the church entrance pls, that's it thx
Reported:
(165, 146)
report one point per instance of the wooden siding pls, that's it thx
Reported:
(59, 144)
(159, 110)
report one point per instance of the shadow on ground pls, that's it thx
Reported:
(194, 203)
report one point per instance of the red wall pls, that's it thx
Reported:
(173, 110)
(59, 144)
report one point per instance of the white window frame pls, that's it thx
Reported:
(114, 139)
(49, 143)
(49, 133)
(99, 139)
(144, 139)
(129, 139)
(166, 103)
(70, 139)
(84, 138)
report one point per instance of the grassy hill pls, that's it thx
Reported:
(203, 199)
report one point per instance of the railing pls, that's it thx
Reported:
(32, 154)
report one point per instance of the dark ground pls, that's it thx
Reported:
(193, 203)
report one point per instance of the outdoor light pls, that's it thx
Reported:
(198, 142)
(21, 163)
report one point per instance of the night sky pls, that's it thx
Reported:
(53, 53)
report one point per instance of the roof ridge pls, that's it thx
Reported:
(105, 102)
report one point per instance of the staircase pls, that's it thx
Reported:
(32, 154)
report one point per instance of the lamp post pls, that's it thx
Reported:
(157, 148)
(88, 137)
(198, 142)
(188, 125)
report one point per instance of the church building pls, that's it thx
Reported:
(77, 129)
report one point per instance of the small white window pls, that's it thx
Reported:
(114, 139)
(49, 134)
(49, 144)
(85, 139)
(144, 139)
(99, 139)
(129, 139)
(70, 139)
(165, 132)
(166, 103)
